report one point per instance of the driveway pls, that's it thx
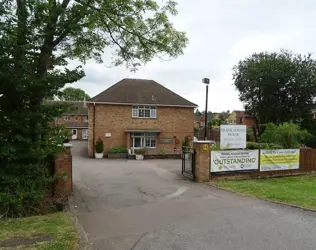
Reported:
(128, 204)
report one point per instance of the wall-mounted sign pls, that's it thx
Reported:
(166, 140)
(281, 159)
(205, 147)
(108, 135)
(233, 136)
(234, 160)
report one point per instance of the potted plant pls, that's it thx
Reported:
(99, 149)
(185, 147)
(139, 153)
(117, 152)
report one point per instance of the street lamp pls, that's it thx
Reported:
(206, 81)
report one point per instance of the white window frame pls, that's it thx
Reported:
(144, 112)
(67, 117)
(87, 118)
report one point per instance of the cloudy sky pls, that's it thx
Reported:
(221, 32)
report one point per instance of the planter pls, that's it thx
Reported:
(139, 157)
(117, 155)
(98, 155)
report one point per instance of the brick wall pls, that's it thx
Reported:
(63, 166)
(115, 119)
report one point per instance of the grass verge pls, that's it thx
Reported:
(297, 190)
(53, 231)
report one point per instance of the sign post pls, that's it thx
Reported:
(233, 136)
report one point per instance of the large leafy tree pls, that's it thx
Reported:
(38, 39)
(277, 87)
(73, 94)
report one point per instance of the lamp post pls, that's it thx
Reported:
(206, 81)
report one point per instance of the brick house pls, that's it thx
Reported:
(75, 119)
(240, 117)
(137, 113)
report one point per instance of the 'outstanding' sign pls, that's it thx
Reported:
(233, 136)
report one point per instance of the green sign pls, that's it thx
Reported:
(165, 140)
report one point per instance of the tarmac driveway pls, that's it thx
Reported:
(128, 204)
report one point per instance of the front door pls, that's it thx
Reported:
(74, 134)
(85, 134)
(138, 142)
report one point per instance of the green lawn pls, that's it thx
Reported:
(298, 190)
(54, 231)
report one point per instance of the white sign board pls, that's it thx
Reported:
(108, 135)
(281, 159)
(233, 136)
(234, 160)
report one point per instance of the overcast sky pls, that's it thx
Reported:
(221, 32)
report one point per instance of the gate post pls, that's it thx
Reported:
(202, 161)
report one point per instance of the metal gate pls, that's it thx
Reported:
(188, 162)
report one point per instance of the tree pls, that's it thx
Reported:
(38, 39)
(289, 135)
(197, 112)
(277, 87)
(73, 94)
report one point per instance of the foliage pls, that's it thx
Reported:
(140, 151)
(73, 94)
(262, 145)
(309, 123)
(99, 146)
(218, 122)
(277, 87)
(163, 151)
(197, 112)
(59, 226)
(298, 190)
(288, 135)
(186, 141)
(196, 132)
(38, 39)
(117, 150)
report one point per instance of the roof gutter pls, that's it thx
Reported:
(145, 104)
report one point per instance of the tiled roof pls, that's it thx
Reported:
(75, 107)
(139, 91)
(76, 125)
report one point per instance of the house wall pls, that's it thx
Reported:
(115, 119)
(61, 120)
(231, 118)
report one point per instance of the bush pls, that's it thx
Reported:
(258, 145)
(117, 150)
(186, 142)
(140, 151)
(99, 146)
(288, 135)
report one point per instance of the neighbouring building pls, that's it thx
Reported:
(137, 113)
(75, 119)
(240, 117)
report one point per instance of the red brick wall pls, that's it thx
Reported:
(63, 167)
(115, 119)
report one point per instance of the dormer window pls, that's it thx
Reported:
(144, 112)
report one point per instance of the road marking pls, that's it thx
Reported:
(180, 191)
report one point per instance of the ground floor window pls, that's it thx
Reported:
(144, 140)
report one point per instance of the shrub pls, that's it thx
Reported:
(186, 142)
(140, 151)
(288, 135)
(117, 150)
(163, 151)
(99, 146)
(258, 145)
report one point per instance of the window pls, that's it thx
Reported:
(86, 118)
(202, 124)
(76, 118)
(234, 121)
(144, 112)
(67, 118)
(56, 119)
(150, 140)
(241, 120)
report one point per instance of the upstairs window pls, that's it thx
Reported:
(87, 118)
(144, 112)
(67, 118)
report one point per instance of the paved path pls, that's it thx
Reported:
(127, 204)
